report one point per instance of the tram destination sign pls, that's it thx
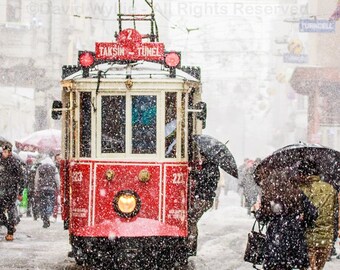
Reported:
(129, 46)
(317, 26)
(115, 51)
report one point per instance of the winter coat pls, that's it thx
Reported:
(323, 196)
(46, 177)
(286, 246)
(206, 181)
(11, 178)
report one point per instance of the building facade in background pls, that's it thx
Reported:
(319, 79)
(36, 39)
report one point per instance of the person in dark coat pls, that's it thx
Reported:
(205, 184)
(46, 184)
(11, 187)
(287, 212)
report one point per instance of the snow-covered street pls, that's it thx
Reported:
(222, 241)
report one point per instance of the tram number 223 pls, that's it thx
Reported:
(178, 178)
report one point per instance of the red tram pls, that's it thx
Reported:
(129, 112)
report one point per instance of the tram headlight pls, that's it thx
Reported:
(127, 203)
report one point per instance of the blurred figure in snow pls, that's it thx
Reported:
(46, 184)
(247, 184)
(220, 186)
(11, 188)
(57, 159)
(32, 203)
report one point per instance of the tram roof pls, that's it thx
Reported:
(138, 70)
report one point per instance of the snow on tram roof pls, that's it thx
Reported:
(139, 70)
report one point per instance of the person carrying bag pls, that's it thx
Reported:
(287, 213)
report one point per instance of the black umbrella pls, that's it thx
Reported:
(217, 153)
(288, 158)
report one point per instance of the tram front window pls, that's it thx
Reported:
(113, 124)
(144, 128)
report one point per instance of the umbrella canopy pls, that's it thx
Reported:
(288, 158)
(44, 141)
(217, 152)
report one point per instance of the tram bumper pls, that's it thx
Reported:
(130, 245)
(130, 253)
(138, 227)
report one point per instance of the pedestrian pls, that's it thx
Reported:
(32, 199)
(319, 238)
(46, 184)
(249, 187)
(11, 189)
(205, 179)
(220, 186)
(287, 212)
(57, 159)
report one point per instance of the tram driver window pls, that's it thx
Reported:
(144, 128)
(170, 124)
(113, 124)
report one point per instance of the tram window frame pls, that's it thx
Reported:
(67, 125)
(142, 123)
(122, 116)
(85, 124)
(170, 125)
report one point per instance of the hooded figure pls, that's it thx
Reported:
(46, 185)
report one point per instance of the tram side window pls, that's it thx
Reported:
(170, 124)
(183, 130)
(113, 124)
(85, 124)
(144, 124)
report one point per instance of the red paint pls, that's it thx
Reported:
(129, 46)
(164, 198)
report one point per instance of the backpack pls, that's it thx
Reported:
(47, 174)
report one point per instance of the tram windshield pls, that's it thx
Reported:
(131, 124)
